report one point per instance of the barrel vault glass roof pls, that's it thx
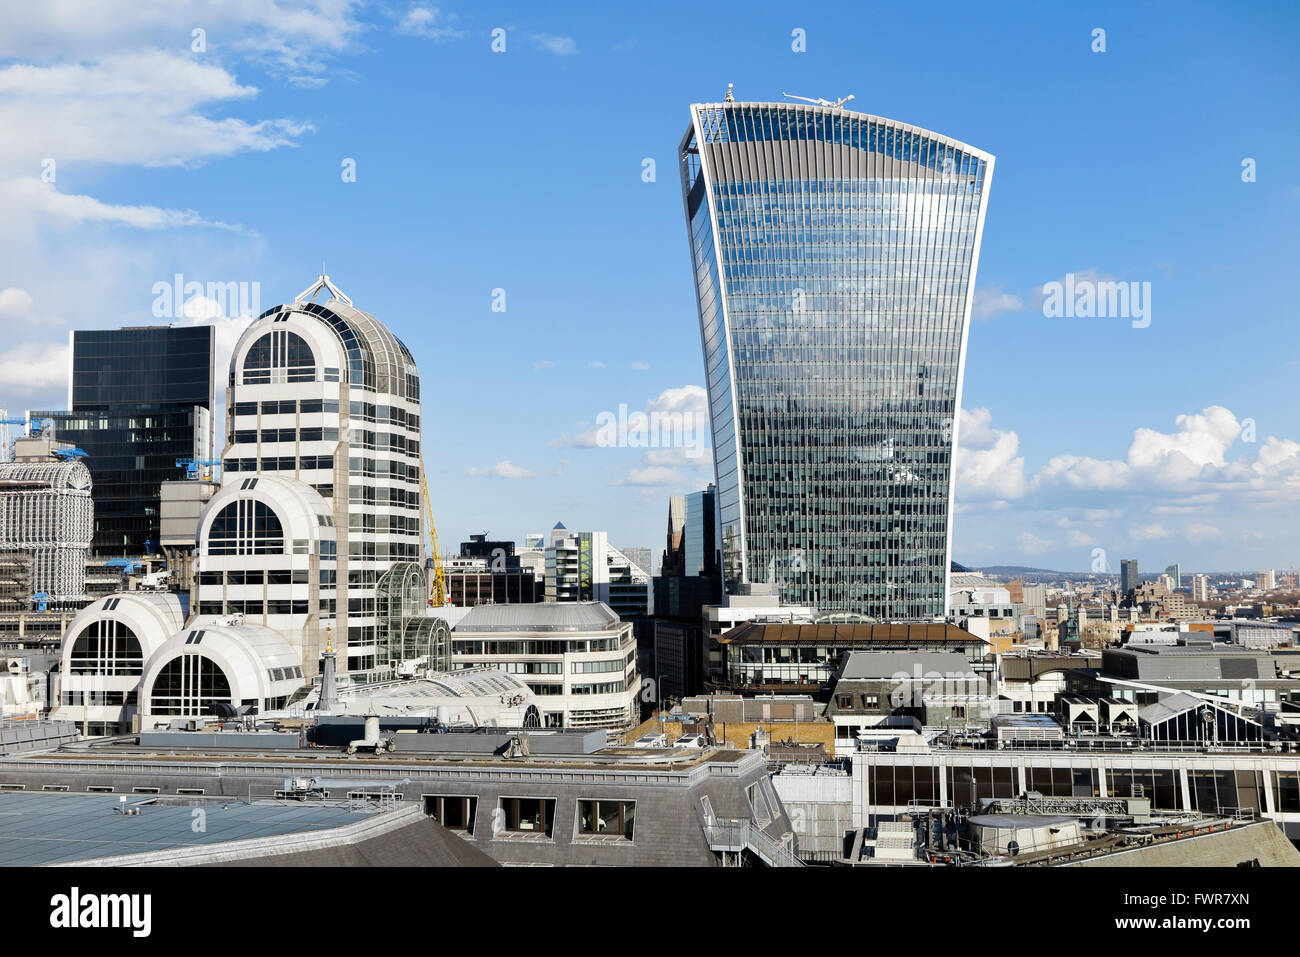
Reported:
(834, 256)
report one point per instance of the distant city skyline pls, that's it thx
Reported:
(538, 275)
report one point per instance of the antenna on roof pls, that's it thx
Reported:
(730, 97)
(820, 102)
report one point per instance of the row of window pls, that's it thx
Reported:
(384, 496)
(272, 576)
(93, 699)
(287, 407)
(383, 551)
(273, 606)
(382, 468)
(403, 471)
(310, 434)
(532, 646)
(364, 411)
(1211, 790)
(281, 463)
(535, 816)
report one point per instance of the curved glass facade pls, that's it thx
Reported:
(834, 258)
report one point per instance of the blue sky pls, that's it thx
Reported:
(522, 171)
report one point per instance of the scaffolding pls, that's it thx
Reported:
(46, 512)
(15, 581)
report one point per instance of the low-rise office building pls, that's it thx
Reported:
(579, 658)
(1145, 674)
(934, 688)
(775, 658)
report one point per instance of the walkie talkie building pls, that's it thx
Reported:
(834, 256)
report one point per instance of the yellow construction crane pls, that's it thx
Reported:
(438, 580)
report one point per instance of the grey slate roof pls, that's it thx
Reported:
(1169, 707)
(1179, 663)
(867, 665)
(423, 843)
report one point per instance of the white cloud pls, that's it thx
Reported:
(292, 39)
(429, 22)
(680, 458)
(585, 439)
(1146, 533)
(1193, 460)
(203, 311)
(560, 46)
(32, 196)
(653, 476)
(94, 83)
(639, 366)
(18, 304)
(502, 470)
(543, 364)
(1196, 483)
(1178, 456)
(595, 364)
(31, 366)
(986, 462)
(994, 302)
(1084, 472)
(15, 303)
(1028, 542)
(145, 108)
(689, 399)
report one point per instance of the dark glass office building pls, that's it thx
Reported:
(148, 365)
(139, 398)
(834, 257)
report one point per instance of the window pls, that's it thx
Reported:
(106, 647)
(246, 527)
(279, 356)
(456, 813)
(528, 815)
(187, 684)
(597, 667)
(606, 817)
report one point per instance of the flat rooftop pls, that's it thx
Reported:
(854, 633)
(612, 758)
(42, 827)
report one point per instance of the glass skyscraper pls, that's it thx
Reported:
(834, 257)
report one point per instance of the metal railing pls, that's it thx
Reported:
(738, 834)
